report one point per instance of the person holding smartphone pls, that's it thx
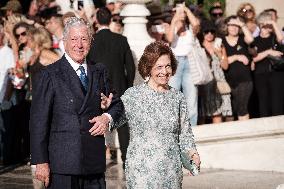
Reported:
(183, 28)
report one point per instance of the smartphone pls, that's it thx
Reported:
(180, 10)
(80, 4)
(158, 28)
(217, 43)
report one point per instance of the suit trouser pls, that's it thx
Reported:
(95, 181)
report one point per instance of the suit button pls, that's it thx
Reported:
(71, 100)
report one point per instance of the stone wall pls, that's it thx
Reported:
(255, 144)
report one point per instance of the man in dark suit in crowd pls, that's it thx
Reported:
(113, 50)
(67, 122)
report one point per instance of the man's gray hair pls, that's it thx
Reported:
(76, 22)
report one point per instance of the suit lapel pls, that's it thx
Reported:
(90, 75)
(72, 81)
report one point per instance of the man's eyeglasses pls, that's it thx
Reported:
(217, 14)
(209, 31)
(21, 34)
(247, 10)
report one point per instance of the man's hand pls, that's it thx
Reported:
(106, 101)
(42, 173)
(100, 125)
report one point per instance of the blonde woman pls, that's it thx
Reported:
(247, 12)
(39, 40)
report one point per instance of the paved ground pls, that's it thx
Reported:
(20, 178)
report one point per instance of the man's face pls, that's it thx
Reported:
(216, 13)
(21, 35)
(51, 25)
(110, 6)
(77, 43)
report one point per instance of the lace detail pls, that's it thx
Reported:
(153, 155)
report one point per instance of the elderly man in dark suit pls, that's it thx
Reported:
(67, 122)
(113, 50)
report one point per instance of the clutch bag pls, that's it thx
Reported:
(189, 164)
(223, 87)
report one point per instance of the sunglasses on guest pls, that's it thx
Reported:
(117, 20)
(267, 26)
(209, 31)
(21, 34)
(217, 14)
(247, 10)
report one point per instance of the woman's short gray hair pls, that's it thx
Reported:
(263, 17)
(75, 22)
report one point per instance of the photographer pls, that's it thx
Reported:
(181, 35)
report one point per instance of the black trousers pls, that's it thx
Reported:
(270, 92)
(96, 181)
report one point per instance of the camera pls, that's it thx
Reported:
(158, 28)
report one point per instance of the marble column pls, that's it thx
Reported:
(135, 30)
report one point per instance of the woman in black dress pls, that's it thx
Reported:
(238, 75)
(268, 82)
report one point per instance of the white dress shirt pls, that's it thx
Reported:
(75, 66)
(7, 57)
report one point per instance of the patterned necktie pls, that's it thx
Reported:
(83, 77)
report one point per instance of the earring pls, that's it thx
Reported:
(147, 78)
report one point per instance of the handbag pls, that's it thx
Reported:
(189, 164)
(276, 63)
(199, 64)
(223, 87)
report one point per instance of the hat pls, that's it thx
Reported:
(13, 5)
(110, 1)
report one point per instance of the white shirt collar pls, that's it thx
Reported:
(76, 65)
(102, 28)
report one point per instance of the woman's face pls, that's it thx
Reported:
(233, 29)
(248, 11)
(266, 29)
(161, 71)
(21, 35)
(209, 35)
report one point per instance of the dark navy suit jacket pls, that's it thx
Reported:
(60, 114)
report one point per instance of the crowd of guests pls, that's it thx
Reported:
(235, 48)
(240, 48)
